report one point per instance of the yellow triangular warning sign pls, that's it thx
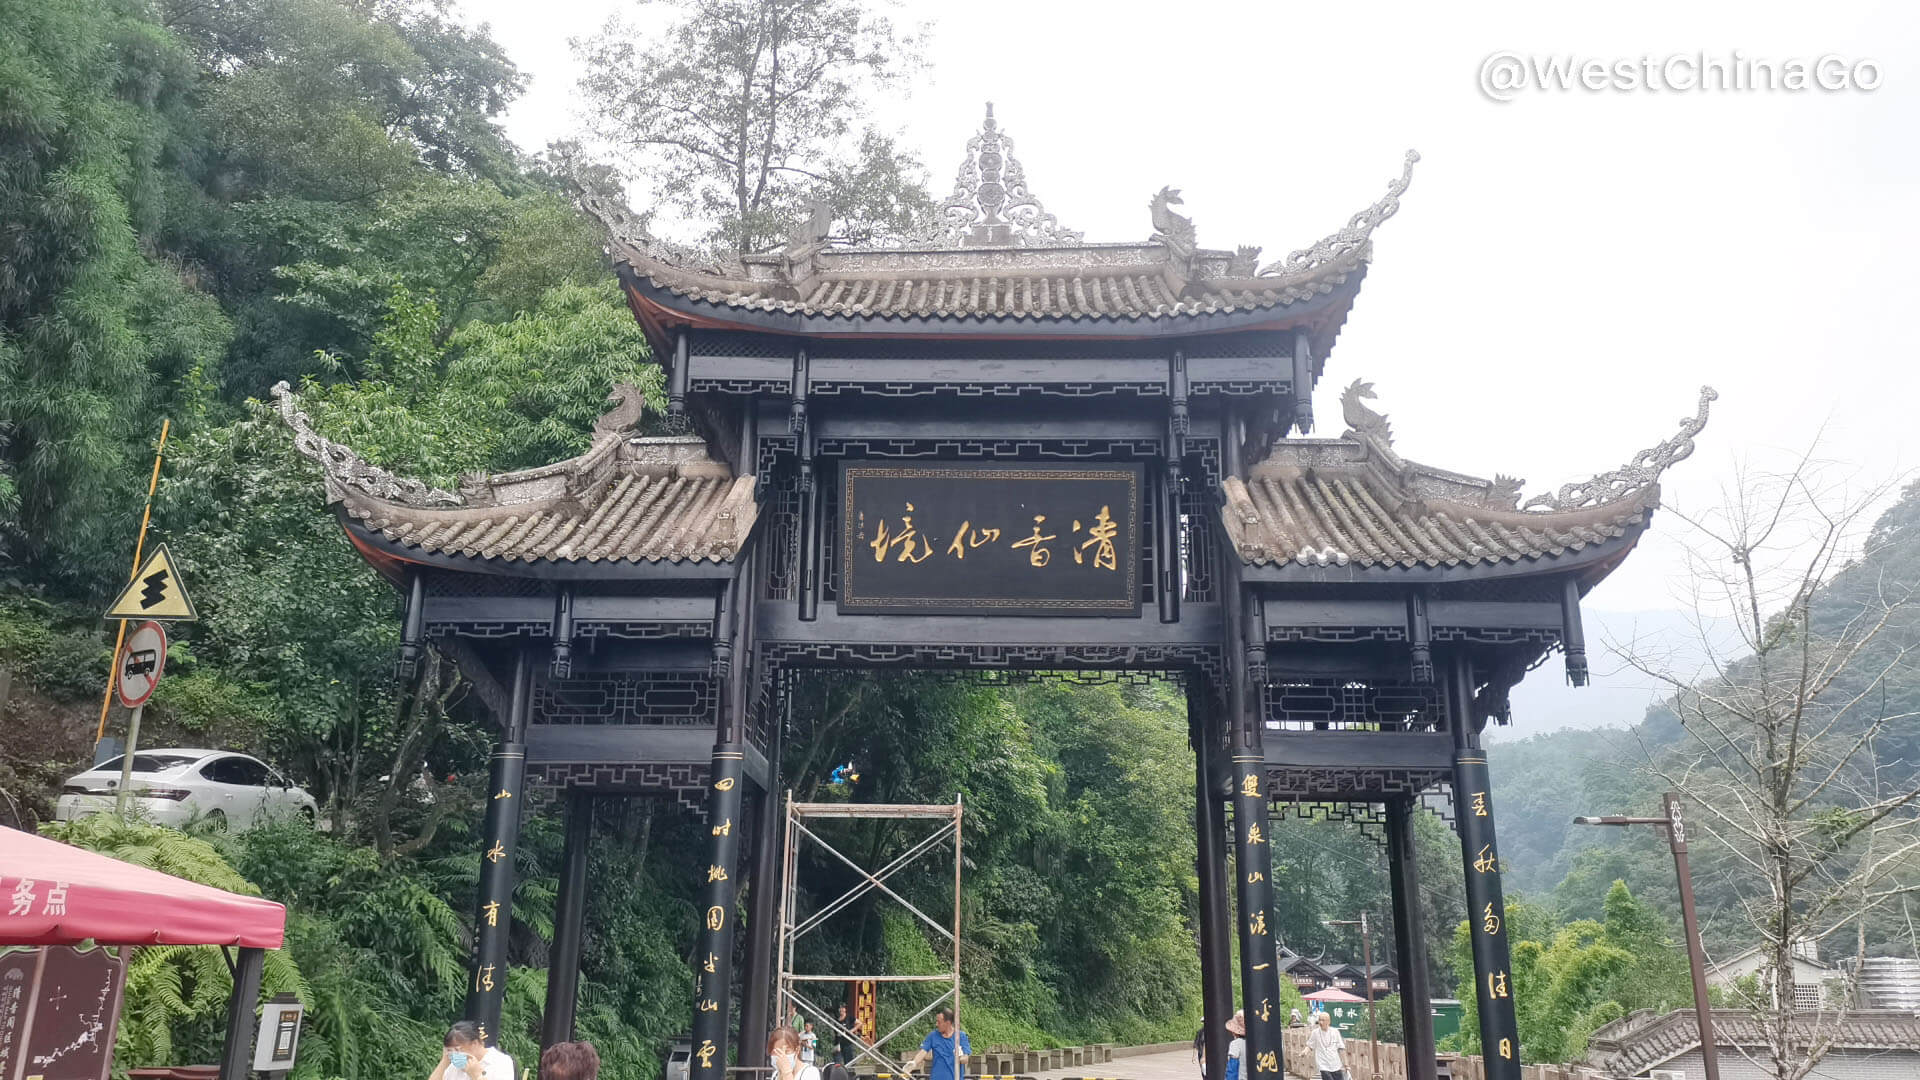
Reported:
(156, 592)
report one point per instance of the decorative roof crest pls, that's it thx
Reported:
(346, 469)
(630, 229)
(1358, 230)
(1644, 469)
(1362, 420)
(990, 204)
(1174, 230)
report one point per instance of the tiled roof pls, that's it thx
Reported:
(634, 515)
(1355, 501)
(996, 253)
(1644, 1040)
(1349, 501)
(963, 288)
(629, 498)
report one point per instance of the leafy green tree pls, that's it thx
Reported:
(1570, 979)
(744, 111)
(93, 97)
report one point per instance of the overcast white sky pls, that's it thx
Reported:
(1568, 268)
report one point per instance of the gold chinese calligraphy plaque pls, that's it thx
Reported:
(1005, 539)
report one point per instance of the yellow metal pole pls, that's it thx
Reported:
(139, 545)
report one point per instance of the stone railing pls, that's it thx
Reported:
(1022, 1061)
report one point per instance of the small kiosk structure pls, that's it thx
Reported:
(78, 897)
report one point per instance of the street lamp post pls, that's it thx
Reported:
(1366, 958)
(1675, 826)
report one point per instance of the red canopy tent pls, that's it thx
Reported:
(1333, 993)
(56, 894)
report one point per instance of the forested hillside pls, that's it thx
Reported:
(1548, 779)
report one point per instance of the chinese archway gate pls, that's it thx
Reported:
(998, 446)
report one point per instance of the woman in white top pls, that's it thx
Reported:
(783, 1053)
(468, 1057)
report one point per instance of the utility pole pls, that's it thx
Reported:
(1366, 959)
(120, 635)
(1674, 824)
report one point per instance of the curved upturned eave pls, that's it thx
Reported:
(707, 314)
(387, 556)
(1592, 561)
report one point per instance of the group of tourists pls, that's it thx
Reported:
(1325, 1046)
(466, 1056)
(844, 1047)
(792, 1050)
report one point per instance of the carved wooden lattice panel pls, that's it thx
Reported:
(632, 697)
(1352, 705)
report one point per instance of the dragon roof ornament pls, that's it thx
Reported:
(346, 469)
(630, 229)
(990, 205)
(1358, 230)
(1643, 470)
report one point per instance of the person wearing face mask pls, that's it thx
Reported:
(783, 1051)
(468, 1057)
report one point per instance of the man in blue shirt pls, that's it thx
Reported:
(939, 1047)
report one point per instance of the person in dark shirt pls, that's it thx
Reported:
(843, 1048)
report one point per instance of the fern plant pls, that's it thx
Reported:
(176, 996)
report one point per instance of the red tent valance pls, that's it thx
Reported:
(1333, 993)
(56, 894)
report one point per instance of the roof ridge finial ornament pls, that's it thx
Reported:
(1636, 475)
(1174, 230)
(990, 205)
(1362, 420)
(1356, 234)
(346, 469)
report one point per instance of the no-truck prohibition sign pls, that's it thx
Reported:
(142, 659)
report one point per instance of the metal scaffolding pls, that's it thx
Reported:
(793, 927)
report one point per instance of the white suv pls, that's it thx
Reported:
(175, 786)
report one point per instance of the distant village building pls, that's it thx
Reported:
(1865, 1045)
(1306, 975)
(1814, 983)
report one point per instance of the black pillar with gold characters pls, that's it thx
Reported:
(1486, 907)
(763, 893)
(1210, 861)
(1410, 939)
(493, 910)
(713, 966)
(1259, 977)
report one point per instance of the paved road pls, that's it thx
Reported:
(1174, 1065)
